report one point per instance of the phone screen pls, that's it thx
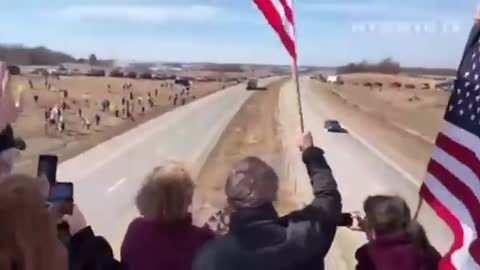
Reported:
(47, 166)
(346, 220)
(61, 192)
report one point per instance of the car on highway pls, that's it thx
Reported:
(334, 126)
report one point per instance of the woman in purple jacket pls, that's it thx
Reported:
(164, 237)
(396, 242)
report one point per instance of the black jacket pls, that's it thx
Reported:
(259, 239)
(89, 252)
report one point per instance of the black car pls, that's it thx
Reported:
(334, 126)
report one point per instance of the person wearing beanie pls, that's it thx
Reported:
(258, 238)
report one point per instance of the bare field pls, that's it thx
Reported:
(77, 138)
(418, 111)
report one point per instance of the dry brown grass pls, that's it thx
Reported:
(415, 109)
(31, 123)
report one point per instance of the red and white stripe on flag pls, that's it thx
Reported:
(8, 108)
(452, 189)
(280, 16)
(452, 185)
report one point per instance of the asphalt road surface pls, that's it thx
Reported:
(361, 171)
(107, 177)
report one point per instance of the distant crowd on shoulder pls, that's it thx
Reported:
(35, 235)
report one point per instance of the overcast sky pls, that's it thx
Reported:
(330, 32)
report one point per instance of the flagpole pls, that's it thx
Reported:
(419, 207)
(295, 74)
(299, 96)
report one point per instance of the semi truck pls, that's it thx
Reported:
(252, 84)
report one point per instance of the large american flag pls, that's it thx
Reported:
(8, 108)
(452, 185)
(280, 15)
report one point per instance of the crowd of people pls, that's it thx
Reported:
(54, 115)
(36, 235)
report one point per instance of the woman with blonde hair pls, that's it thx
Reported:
(28, 236)
(164, 237)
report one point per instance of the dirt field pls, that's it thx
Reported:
(252, 132)
(410, 151)
(77, 138)
(418, 111)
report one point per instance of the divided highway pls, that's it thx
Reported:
(361, 171)
(107, 177)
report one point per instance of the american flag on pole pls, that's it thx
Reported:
(8, 109)
(452, 185)
(280, 15)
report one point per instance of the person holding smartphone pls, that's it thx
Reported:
(27, 230)
(85, 249)
(396, 241)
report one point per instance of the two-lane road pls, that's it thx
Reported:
(107, 177)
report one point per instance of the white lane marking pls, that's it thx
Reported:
(116, 185)
(414, 132)
(379, 154)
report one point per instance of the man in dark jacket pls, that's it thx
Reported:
(258, 238)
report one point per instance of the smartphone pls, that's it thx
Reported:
(346, 220)
(47, 166)
(60, 192)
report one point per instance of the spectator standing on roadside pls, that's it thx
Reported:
(258, 237)
(97, 119)
(46, 115)
(61, 123)
(164, 237)
(87, 123)
(175, 100)
(396, 242)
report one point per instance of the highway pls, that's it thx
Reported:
(360, 171)
(107, 177)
